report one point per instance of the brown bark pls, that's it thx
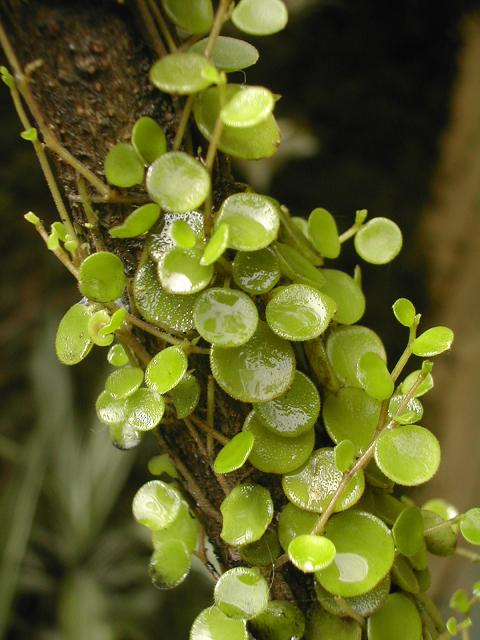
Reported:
(91, 86)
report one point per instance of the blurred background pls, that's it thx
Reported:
(380, 110)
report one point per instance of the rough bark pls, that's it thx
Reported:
(91, 86)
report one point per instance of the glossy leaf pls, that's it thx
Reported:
(123, 382)
(347, 295)
(470, 526)
(248, 107)
(216, 245)
(145, 409)
(98, 321)
(225, 317)
(256, 272)
(234, 454)
(280, 620)
(193, 16)
(411, 379)
(405, 413)
(229, 54)
(379, 241)
(123, 168)
(249, 143)
(313, 485)
(321, 625)
(213, 624)
(181, 272)
(323, 233)
(110, 410)
(408, 531)
(364, 605)
(433, 342)
(397, 619)
(156, 505)
(297, 267)
(408, 455)
(117, 356)
(101, 277)
(181, 73)
(185, 528)
(351, 414)
(178, 182)
(259, 370)
(182, 234)
(166, 369)
(346, 345)
(72, 340)
(241, 593)
(260, 18)
(299, 312)
(138, 222)
(272, 453)
(293, 413)
(263, 552)
(185, 395)
(374, 376)
(148, 139)
(294, 522)
(404, 311)
(311, 553)
(344, 455)
(170, 564)
(247, 511)
(160, 241)
(365, 553)
(124, 437)
(166, 310)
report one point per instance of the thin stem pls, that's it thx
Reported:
(349, 233)
(465, 634)
(90, 214)
(149, 328)
(220, 18)
(59, 253)
(210, 415)
(445, 523)
(466, 553)
(402, 361)
(114, 197)
(193, 432)
(212, 148)
(201, 424)
(182, 125)
(349, 611)
(151, 28)
(163, 26)
(129, 340)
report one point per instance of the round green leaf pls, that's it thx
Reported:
(117, 356)
(234, 454)
(297, 267)
(441, 507)
(260, 18)
(124, 437)
(379, 241)
(263, 552)
(162, 464)
(364, 605)
(470, 526)
(252, 219)
(110, 410)
(138, 222)
(351, 414)
(460, 602)
(216, 245)
(247, 511)
(321, 625)
(181, 273)
(433, 342)
(250, 143)
(170, 564)
(185, 395)
(411, 379)
(178, 182)
(256, 272)
(213, 624)
(181, 73)
(397, 619)
(280, 620)
(194, 16)
(323, 233)
(97, 326)
(148, 139)
(241, 593)
(311, 553)
(408, 414)
(144, 409)
(248, 107)
(166, 310)
(347, 295)
(182, 234)
(294, 522)
(160, 242)
(225, 317)
(101, 277)
(293, 413)
(156, 505)
(299, 312)
(185, 528)
(166, 369)
(346, 345)
(440, 537)
(123, 168)
(374, 376)
(365, 554)
(312, 487)
(123, 382)
(272, 453)
(259, 370)
(408, 531)
(229, 54)
(72, 341)
(344, 455)
(408, 455)
(404, 311)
